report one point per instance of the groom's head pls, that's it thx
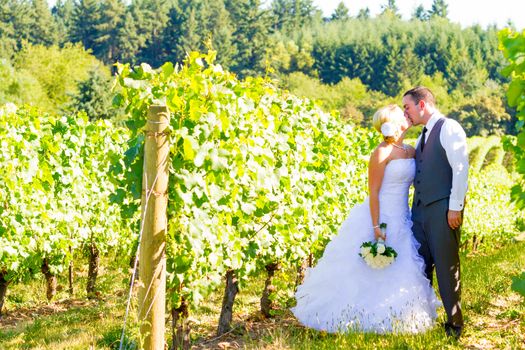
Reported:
(419, 104)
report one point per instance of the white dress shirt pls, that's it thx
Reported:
(454, 141)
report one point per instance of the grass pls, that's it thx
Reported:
(67, 322)
(494, 316)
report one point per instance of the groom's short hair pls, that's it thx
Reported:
(421, 93)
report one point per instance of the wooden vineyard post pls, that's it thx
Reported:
(152, 266)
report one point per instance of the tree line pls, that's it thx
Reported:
(352, 64)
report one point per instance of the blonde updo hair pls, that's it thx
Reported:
(391, 114)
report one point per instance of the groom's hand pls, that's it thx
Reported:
(454, 219)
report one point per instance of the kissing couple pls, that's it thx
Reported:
(342, 293)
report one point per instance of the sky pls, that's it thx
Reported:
(465, 12)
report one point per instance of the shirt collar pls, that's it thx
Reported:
(432, 121)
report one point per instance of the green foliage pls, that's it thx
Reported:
(363, 14)
(340, 13)
(23, 22)
(438, 85)
(390, 9)
(94, 97)
(286, 56)
(420, 13)
(192, 24)
(258, 176)
(251, 32)
(86, 16)
(487, 198)
(42, 27)
(513, 46)
(479, 147)
(55, 71)
(350, 96)
(292, 15)
(109, 29)
(8, 40)
(149, 22)
(373, 245)
(518, 284)
(56, 197)
(439, 9)
(386, 53)
(483, 115)
(56, 79)
(19, 86)
(63, 14)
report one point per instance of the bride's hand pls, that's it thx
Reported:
(378, 234)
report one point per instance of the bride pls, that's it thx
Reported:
(342, 292)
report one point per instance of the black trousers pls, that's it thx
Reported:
(440, 249)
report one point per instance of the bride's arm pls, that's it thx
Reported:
(376, 171)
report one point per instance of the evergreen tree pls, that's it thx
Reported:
(108, 41)
(221, 29)
(251, 36)
(97, 25)
(132, 41)
(364, 13)
(281, 10)
(93, 97)
(439, 9)
(86, 19)
(44, 30)
(8, 44)
(21, 17)
(391, 8)
(192, 24)
(420, 13)
(340, 13)
(63, 15)
(32, 22)
(151, 18)
(138, 30)
(291, 15)
(402, 67)
(181, 34)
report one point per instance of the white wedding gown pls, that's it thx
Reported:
(342, 293)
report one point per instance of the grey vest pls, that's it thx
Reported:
(433, 180)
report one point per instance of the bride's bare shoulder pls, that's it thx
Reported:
(382, 146)
(381, 152)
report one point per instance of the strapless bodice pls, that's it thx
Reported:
(393, 195)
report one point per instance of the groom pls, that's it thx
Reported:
(439, 197)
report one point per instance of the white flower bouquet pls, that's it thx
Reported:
(377, 255)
